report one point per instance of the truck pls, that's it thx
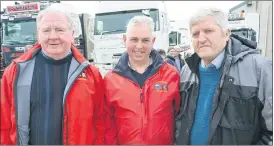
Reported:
(110, 23)
(19, 30)
(179, 37)
(245, 25)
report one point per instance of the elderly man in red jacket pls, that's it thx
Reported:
(51, 94)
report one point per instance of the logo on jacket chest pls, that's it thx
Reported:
(82, 76)
(161, 86)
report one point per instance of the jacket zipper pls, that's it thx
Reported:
(65, 109)
(16, 101)
(141, 99)
(141, 96)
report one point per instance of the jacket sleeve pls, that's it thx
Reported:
(183, 98)
(177, 104)
(98, 119)
(177, 96)
(265, 95)
(5, 108)
(111, 132)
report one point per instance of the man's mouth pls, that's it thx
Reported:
(204, 46)
(138, 52)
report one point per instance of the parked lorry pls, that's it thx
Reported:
(245, 25)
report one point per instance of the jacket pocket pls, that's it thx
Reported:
(237, 123)
(239, 113)
(164, 135)
(169, 138)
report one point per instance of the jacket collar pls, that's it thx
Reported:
(124, 70)
(37, 47)
(236, 47)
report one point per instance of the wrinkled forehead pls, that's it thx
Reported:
(204, 22)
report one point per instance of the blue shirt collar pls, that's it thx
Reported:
(217, 62)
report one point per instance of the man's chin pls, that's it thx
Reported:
(139, 57)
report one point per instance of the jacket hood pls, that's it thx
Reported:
(237, 47)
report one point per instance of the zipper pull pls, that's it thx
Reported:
(141, 96)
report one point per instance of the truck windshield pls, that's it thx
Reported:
(249, 34)
(173, 38)
(115, 22)
(19, 32)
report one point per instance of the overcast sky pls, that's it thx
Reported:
(177, 10)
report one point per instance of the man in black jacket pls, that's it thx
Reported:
(226, 87)
(174, 58)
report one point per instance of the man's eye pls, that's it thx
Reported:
(60, 30)
(208, 31)
(195, 34)
(46, 30)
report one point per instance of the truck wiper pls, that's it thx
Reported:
(30, 39)
(111, 31)
(12, 42)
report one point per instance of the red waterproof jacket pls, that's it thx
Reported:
(83, 100)
(144, 115)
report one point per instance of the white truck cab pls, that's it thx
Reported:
(111, 18)
(245, 25)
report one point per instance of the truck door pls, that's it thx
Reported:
(87, 26)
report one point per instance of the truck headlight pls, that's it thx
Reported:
(11, 18)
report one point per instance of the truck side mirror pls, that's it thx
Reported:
(81, 41)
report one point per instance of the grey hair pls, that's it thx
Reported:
(137, 20)
(220, 17)
(57, 8)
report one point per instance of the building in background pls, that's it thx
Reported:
(264, 9)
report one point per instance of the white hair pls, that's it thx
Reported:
(219, 16)
(58, 8)
(137, 20)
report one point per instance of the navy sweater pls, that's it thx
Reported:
(209, 79)
(48, 84)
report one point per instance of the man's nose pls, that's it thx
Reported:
(202, 38)
(139, 44)
(53, 35)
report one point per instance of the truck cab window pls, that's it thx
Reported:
(19, 31)
(115, 22)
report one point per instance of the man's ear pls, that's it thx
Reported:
(37, 36)
(72, 36)
(227, 34)
(153, 40)
(125, 38)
